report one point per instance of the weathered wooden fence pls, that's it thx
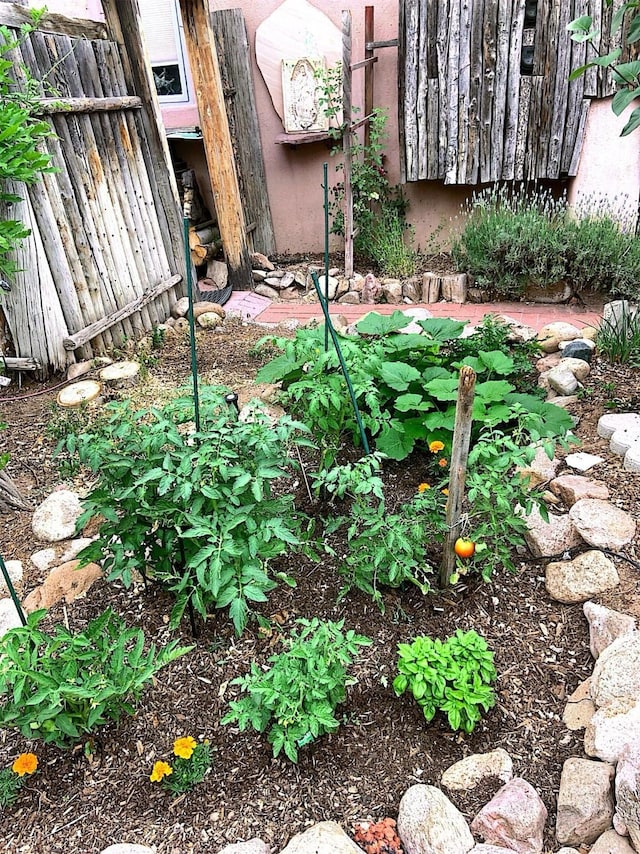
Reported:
(106, 244)
(471, 109)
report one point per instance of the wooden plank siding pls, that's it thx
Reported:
(463, 90)
(99, 241)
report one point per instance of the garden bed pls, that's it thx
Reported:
(87, 798)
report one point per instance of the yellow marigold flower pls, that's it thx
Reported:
(444, 491)
(422, 487)
(160, 770)
(436, 446)
(443, 462)
(26, 763)
(184, 747)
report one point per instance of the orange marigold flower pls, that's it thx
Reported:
(422, 487)
(160, 770)
(443, 462)
(184, 747)
(436, 446)
(26, 763)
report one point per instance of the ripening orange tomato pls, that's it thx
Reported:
(464, 548)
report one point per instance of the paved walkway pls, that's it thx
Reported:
(251, 306)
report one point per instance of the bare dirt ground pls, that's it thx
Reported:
(79, 804)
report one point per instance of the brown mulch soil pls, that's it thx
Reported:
(80, 803)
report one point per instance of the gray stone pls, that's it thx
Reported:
(601, 524)
(562, 380)
(552, 537)
(617, 313)
(514, 818)
(578, 367)
(580, 707)
(16, 574)
(472, 770)
(627, 790)
(326, 837)
(44, 559)
(429, 822)
(392, 291)
(266, 291)
(605, 626)
(9, 617)
(261, 262)
(565, 400)
(251, 846)
(578, 349)
(577, 580)
(612, 421)
(572, 487)
(585, 801)
(258, 276)
(350, 298)
(180, 308)
(582, 461)
(616, 674)
(218, 273)
(55, 519)
(611, 843)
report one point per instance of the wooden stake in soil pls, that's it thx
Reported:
(458, 472)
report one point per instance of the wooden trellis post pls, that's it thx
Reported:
(203, 60)
(458, 469)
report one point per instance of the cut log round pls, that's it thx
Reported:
(78, 393)
(120, 374)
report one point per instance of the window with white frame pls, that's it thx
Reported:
(164, 37)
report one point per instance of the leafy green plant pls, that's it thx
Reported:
(515, 238)
(13, 779)
(190, 766)
(58, 687)
(453, 676)
(200, 513)
(21, 135)
(296, 698)
(618, 337)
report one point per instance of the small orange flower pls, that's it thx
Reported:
(444, 491)
(436, 446)
(184, 747)
(422, 487)
(160, 770)
(26, 763)
(443, 462)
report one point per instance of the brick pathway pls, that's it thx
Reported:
(254, 307)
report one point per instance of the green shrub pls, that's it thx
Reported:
(199, 513)
(61, 687)
(513, 238)
(453, 676)
(296, 698)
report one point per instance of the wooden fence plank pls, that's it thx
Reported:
(488, 88)
(411, 73)
(505, 11)
(559, 118)
(464, 81)
(452, 105)
(14, 16)
(423, 91)
(442, 43)
(511, 122)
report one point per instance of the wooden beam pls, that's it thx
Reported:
(85, 335)
(20, 363)
(364, 63)
(371, 45)
(203, 61)
(13, 15)
(50, 106)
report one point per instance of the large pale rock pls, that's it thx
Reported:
(392, 291)
(552, 334)
(605, 626)
(180, 308)
(578, 367)
(552, 537)
(44, 559)
(326, 837)
(601, 524)
(577, 580)
(261, 262)
(16, 574)
(209, 320)
(612, 729)
(540, 470)
(428, 823)
(64, 582)
(580, 707)
(582, 461)
(561, 380)
(627, 789)
(611, 843)
(468, 772)
(55, 519)
(574, 487)
(332, 286)
(585, 801)
(617, 671)
(251, 846)
(266, 291)
(9, 617)
(513, 818)
(205, 307)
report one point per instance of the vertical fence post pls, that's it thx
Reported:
(12, 592)
(458, 469)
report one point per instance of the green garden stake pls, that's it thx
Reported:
(12, 592)
(192, 325)
(325, 187)
(329, 328)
